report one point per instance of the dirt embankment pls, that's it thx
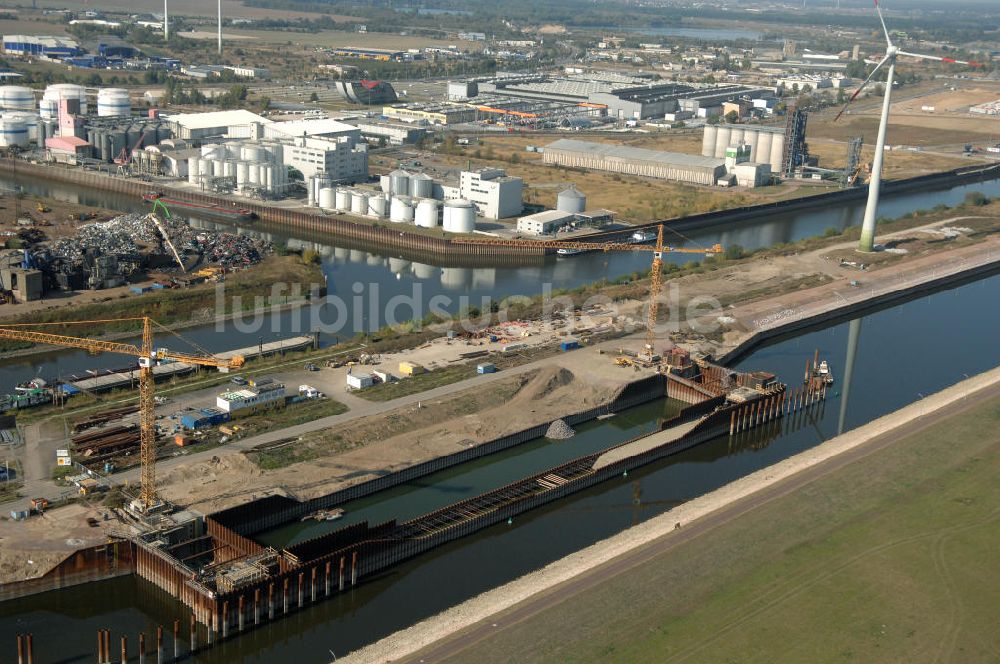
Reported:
(327, 460)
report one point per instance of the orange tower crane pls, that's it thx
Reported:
(148, 357)
(656, 276)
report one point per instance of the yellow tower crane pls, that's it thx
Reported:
(656, 276)
(148, 357)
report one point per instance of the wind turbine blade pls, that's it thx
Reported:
(878, 10)
(951, 61)
(862, 86)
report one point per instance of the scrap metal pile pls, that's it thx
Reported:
(104, 254)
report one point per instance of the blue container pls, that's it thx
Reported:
(192, 421)
(493, 338)
(569, 345)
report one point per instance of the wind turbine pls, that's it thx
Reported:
(891, 52)
(166, 22)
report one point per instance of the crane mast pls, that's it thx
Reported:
(148, 357)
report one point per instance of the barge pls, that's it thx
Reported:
(232, 214)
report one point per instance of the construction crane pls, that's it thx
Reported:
(656, 276)
(148, 357)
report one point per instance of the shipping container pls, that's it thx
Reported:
(569, 345)
(359, 382)
(410, 369)
(486, 368)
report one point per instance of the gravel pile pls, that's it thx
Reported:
(559, 430)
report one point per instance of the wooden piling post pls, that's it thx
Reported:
(312, 586)
(20, 649)
(342, 573)
(354, 568)
(225, 619)
(29, 646)
(732, 422)
(239, 620)
(285, 592)
(142, 648)
(159, 644)
(194, 634)
(100, 646)
(124, 649)
(256, 606)
(208, 632)
(270, 601)
(301, 587)
(326, 579)
(177, 639)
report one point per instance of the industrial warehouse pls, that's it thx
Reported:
(635, 161)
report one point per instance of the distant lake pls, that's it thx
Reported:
(713, 34)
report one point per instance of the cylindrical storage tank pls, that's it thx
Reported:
(359, 202)
(401, 209)
(571, 200)
(253, 153)
(385, 184)
(253, 174)
(399, 183)
(377, 206)
(31, 121)
(343, 199)
(209, 150)
(48, 109)
(722, 141)
(218, 167)
(60, 91)
(229, 169)
(193, 170)
(708, 141)
(148, 136)
(459, 216)
(421, 186)
(327, 198)
(761, 153)
(106, 145)
(242, 172)
(426, 215)
(16, 98)
(777, 152)
(268, 177)
(113, 103)
(13, 133)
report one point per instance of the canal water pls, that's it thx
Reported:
(358, 279)
(899, 355)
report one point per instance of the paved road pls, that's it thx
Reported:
(553, 597)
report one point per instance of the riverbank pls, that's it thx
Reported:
(470, 623)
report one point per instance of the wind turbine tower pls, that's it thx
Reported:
(166, 22)
(867, 242)
(220, 27)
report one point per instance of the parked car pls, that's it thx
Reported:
(238, 380)
(311, 367)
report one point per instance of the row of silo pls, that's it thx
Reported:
(109, 140)
(767, 144)
(401, 183)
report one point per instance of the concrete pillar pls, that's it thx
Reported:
(342, 573)
(326, 579)
(194, 634)
(312, 586)
(285, 591)
(177, 640)
(241, 613)
(270, 601)
(256, 606)
(124, 649)
(142, 648)
(29, 647)
(354, 568)
(301, 587)
(225, 620)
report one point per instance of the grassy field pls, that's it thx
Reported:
(887, 560)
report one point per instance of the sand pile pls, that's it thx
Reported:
(559, 430)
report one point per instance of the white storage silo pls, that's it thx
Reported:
(253, 174)
(327, 198)
(399, 184)
(253, 153)
(209, 150)
(218, 167)
(113, 103)
(385, 184)
(571, 200)
(761, 153)
(735, 136)
(421, 186)
(205, 167)
(343, 199)
(377, 205)
(777, 152)
(401, 209)
(59, 91)
(13, 133)
(426, 215)
(193, 170)
(229, 169)
(359, 202)
(459, 216)
(708, 141)
(48, 109)
(16, 98)
(30, 120)
(242, 173)
(722, 141)
(268, 177)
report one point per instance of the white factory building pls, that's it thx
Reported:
(259, 395)
(495, 194)
(635, 161)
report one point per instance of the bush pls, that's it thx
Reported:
(735, 252)
(831, 232)
(976, 198)
(310, 257)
